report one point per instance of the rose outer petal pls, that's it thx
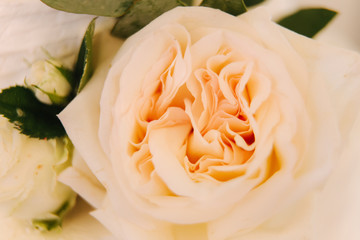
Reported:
(302, 85)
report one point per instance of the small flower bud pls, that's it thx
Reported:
(48, 82)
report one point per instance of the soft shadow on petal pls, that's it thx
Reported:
(340, 69)
(123, 229)
(83, 181)
(337, 212)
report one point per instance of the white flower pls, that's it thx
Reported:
(48, 82)
(29, 27)
(212, 124)
(28, 177)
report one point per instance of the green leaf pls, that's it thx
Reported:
(84, 65)
(30, 116)
(250, 3)
(142, 13)
(308, 22)
(110, 8)
(233, 7)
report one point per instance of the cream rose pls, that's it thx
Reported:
(29, 188)
(211, 124)
(30, 27)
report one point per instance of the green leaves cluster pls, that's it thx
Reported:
(108, 8)
(135, 14)
(232, 7)
(141, 13)
(30, 116)
(250, 3)
(36, 119)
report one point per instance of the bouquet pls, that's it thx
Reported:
(177, 120)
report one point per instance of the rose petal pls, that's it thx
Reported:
(298, 138)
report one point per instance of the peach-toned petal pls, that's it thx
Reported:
(222, 124)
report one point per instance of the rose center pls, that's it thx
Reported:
(215, 100)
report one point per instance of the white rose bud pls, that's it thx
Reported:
(29, 189)
(48, 83)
